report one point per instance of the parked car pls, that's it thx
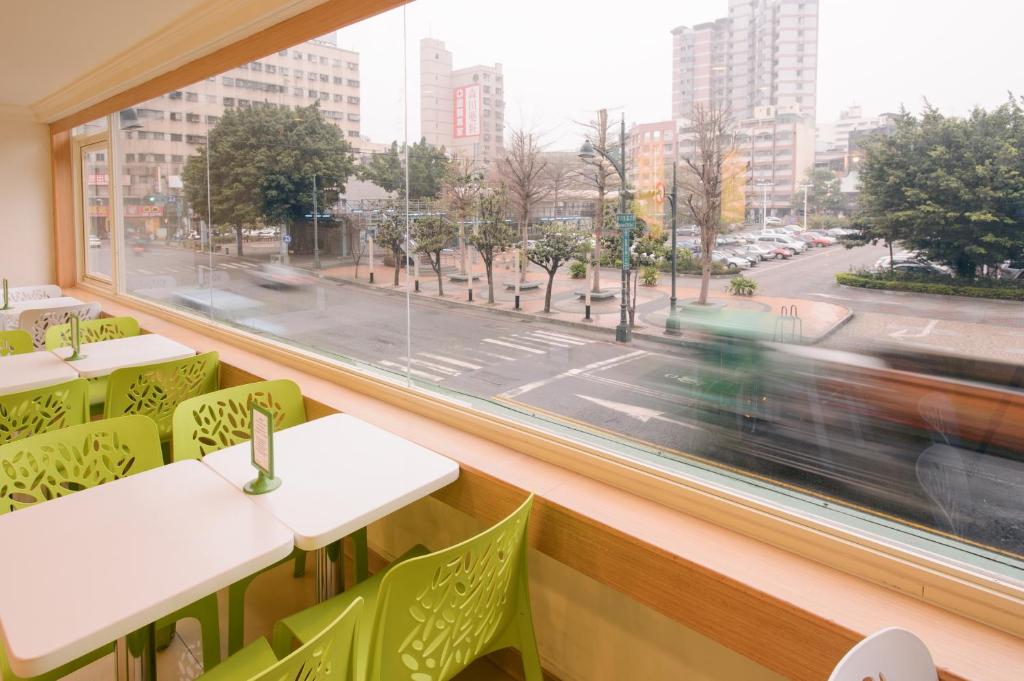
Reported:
(897, 259)
(730, 261)
(924, 269)
(815, 240)
(726, 240)
(789, 242)
(766, 251)
(782, 252)
(773, 221)
(840, 232)
(1012, 270)
(749, 252)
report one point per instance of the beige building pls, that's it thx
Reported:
(462, 110)
(158, 136)
(764, 53)
(650, 149)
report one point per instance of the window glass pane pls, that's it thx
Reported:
(96, 216)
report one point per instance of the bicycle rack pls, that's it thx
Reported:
(789, 328)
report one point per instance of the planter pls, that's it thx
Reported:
(690, 307)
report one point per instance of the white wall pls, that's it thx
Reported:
(26, 224)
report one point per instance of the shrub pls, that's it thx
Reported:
(742, 286)
(578, 270)
(946, 288)
(649, 275)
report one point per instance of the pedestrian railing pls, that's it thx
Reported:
(789, 328)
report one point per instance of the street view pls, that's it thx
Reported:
(826, 300)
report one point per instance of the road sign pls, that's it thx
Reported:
(627, 223)
(287, 238)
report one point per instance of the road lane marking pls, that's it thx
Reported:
(513, 345)
(475, 351)
(921, 333)
(415, 372)
(516, 392)
(528, 338)
(435, 367)
(146, 272)
(642, 414)
(449, 360)
(568, 339)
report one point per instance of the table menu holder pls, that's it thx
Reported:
(6, 300)
(262, 452)
(76, 339)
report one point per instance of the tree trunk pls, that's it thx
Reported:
(398, 266)
(437, 271)
(596, 288)
(238, 240)
(463, 251)
(489, 267)
(705, 278)
(525, 233)
(891, 263)
(547, 294)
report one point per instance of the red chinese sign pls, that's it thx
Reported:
(466, 119)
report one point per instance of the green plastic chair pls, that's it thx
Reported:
(15, 342)
(328, 656)
(434, 614)
(156, 390)
(220, 419)
(54, 464)
(43, 409)
(93, 330)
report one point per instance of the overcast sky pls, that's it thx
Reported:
(563, 59)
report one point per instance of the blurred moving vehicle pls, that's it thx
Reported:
(275, 275)
(139, 246)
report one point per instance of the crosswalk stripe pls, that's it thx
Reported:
(561, 337)
(146, 272)
(435, 367)
(513, 345)
(414, 372)
(493, 355)
(449, 360)
(546, 341)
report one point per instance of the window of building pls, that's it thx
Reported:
(176, 137)
(229, 101)
(324, 61)
(311, 58)
(352, 66)
(283, 53)
(324, 78)
(178, 116)
(270, 68)
(352, 83)
(353, 100)
(228, 80)
(338, 80)
(192, 118)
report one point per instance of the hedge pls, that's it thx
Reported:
(863, 281)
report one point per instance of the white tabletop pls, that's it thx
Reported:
(9, 317)
(103, 357)
(32, 370)
(338, 474)
(86, 569)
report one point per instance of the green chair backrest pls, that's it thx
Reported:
(54, 464)
(439, 612)
(92, 330)
(15, 342)
(328, 656)
(43, 409)
(156, 390)
(223, 418)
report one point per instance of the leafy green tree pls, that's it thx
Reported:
(391, 235)
(493, 235)
(428, 166)
(950, 188)
(823, 193)
(385, 170)
(262, 162)
(432, 235)
(559, 244)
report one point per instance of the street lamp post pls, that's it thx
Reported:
(764, 204)
(672, 324)
(623, 333)
(316, 232)
(805, 187)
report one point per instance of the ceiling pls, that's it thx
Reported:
(46, 45)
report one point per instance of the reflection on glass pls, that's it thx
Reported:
(96, 208)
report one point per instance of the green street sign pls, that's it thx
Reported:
(627, 223)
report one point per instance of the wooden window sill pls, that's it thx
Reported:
(788, 613)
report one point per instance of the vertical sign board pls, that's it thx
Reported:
(466, 111)
(627, 222)
(262, 445)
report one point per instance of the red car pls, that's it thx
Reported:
(782, 252)
(815, 240)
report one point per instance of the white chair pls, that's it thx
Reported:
(892, 654)
(20, 294)
(37, 321)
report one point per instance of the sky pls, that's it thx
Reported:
(563, 59)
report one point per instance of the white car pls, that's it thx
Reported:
(730, 261)
(789, 242)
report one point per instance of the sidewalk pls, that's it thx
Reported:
(818, 319)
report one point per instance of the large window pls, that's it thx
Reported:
(95, 218)
(506, 265)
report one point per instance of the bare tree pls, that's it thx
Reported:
(460, 190)
(705, 179)
(561, 174)
(523, 171)
(356, 239)
(600, 174)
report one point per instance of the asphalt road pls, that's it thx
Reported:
(655, 393)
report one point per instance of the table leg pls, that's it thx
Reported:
(141, 667)
(329, 574)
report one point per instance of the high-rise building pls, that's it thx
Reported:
(765, 53)
(462, 110)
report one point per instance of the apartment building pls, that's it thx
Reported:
(833, 145)
(764, 53)
(651, 148)
(158, 136)
(462, 110)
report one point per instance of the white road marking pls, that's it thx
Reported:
(489, 354)
(414, 372)
(857, 300)
(435, 367)
(449, 360)
(642, 414)
(516, 392)
(560, 337)
(513, 345)
(530, 338)
(905, 333)
(146, 272)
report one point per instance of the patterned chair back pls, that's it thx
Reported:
(439, 612)
(328, 656)
(156, 390)
(15, 342)
(92, 330)
(43, 409)
(37, 321)
(60, 462)
(20, 294)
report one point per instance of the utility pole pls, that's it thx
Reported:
(805, 187)
(316, 232)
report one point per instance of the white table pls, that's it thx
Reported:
(103, 357)
(32, 370)
(339, 474)
(89, 568)
(9, 318)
